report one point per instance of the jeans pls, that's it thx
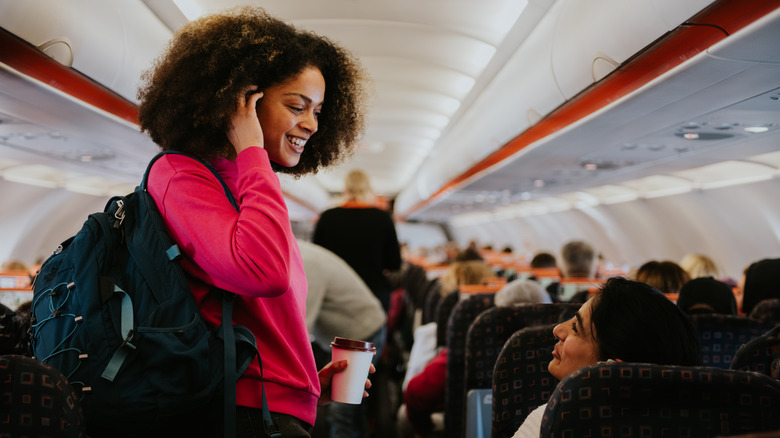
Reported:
(350, 421)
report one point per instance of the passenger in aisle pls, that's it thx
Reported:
(362, 234)
(252, 95)
(625, 321)
(339, 303)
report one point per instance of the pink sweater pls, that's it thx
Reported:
(253, 253)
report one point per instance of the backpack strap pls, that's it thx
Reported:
(227, 331)
(208, 165)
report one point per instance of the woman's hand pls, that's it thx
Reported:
(326, 375)
(245, 130)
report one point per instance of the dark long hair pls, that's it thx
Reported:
(634, 322)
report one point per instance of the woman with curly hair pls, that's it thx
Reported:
(252, 95)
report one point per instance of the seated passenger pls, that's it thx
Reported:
(578, 260)
(760, 282)
(666, 276)
(426, 370)
(626, 321)
(707, 295)
(521, 292)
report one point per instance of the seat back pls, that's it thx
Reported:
(491, 329)
(521, 381)
(722, 335)
(762, 355)
(37, 400)
(464, 313)
(432, 296)
(630, 399)
(767, 311)
(442, 315)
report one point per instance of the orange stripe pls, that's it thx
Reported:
(27, 59)
(668, 52)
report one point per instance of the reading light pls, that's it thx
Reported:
(756, 129)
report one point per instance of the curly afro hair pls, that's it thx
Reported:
(190, 93)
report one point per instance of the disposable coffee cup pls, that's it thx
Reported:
(347, 386)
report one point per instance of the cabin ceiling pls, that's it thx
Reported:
(453, 81)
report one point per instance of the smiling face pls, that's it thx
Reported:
(288, 115)
(576, 346)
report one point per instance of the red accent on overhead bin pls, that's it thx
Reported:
(27, 59)
(695, 36)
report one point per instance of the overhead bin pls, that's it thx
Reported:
(522, 91)
(112, 42)
(591, 39)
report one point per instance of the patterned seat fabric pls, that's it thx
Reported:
(36, 400)
(521, 381)
(464, 313)
(432, 296)
(490, 331)
(722, 335)
(762, 355)
(629, 399)
(442, 314)
(767, 311)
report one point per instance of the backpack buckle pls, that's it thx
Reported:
(120, 213)
(126, 342)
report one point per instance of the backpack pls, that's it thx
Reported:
(113, 312)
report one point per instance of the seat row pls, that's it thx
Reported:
(497, 359)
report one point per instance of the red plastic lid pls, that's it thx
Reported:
(352, 344)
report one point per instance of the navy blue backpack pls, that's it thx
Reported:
(113, 312)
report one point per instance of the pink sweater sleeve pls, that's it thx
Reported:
(233, 250)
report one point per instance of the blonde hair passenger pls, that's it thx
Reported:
(357, 187)
(699, 265)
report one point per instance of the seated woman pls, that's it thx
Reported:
(666, 276)
(707, 295)
(626, 321)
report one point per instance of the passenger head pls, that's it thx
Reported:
(543, 260)
(578, 259)
(521, 292)
(467, 255)
(666, 276)
(760, 281)
(707, 295)
(699, 265)
(627, 321)
(471, 272)
(469, 268)
(357, 187)
(190, 94)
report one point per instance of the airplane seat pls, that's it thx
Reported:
(521, 381)
(635, 399)
(464, 313)
(767, 311)
(722, 335)
(492, 328)
(432, 295)
(761, 355)
(37, 400)
(442, 314)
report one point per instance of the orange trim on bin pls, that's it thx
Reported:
(698, 34)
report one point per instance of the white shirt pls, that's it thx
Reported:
(532, 425)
